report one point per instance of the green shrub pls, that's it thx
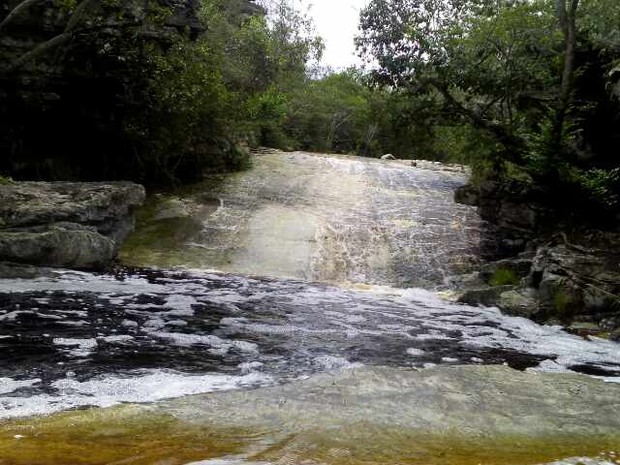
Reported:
(602, 186)
(503, 277)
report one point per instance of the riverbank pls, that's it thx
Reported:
(346, 362)
(549, 270)
(64, 224)
(364, 416)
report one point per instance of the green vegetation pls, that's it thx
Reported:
(145, 91)
(503, 276)
(523, 91)
(561, 303)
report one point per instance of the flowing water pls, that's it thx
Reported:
(301, 274)
(317, 218)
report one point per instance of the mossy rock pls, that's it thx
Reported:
(488, 296)
(506, 271)
(560, 297)
(503, 277)
(520, 302)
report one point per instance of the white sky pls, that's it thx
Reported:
(336, 22)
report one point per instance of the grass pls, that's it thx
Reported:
(503, 277)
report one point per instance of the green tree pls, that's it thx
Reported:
(534, 81)
(334, 113)
(476, 62)
(566, 11)
(157, 93)
(106, 89)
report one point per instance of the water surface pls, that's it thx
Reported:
(300, 278)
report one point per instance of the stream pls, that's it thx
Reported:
(296, 313)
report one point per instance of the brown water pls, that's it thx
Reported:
(329, 420)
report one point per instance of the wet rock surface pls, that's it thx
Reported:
(77, 225)
(76, 339)
(516, 214)
(425, 381)
(320, 218)
(433, 401)
(560, 281)
(555, 276)
(363, 416)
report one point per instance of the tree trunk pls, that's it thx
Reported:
(566, 11)
(17, 10)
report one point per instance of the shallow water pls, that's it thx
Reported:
(82, 339)
(317, 218)
(318, 258)
(457, 415)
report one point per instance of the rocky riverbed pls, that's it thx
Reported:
(310, 345)
(361, 416)
(549, 275)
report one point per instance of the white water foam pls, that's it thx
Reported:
(216, 344)
(235, 460)
(583, 461)
(314, 324)
(8, 385)
(77, 347)
(146, 386)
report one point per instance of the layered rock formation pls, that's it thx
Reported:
(76, 225)
(545, 274)
(516, 214)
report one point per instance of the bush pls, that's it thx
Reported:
(503, 277)
(602, 187)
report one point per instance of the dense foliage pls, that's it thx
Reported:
(524, 89)
(153, 91)
(161, 91)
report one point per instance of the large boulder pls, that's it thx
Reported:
(77, 225)
(486, 295)
(562, 281)
(106, 206)
(70, 245)
(515, 212)
(574, 281)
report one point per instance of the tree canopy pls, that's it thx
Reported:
(533, 80)
(161, 92)
(154, 91)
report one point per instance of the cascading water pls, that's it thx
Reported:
(319, 218)
(320, 260)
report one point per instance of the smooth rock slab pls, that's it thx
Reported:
(463, 415)
(446, 415)
(490, 400)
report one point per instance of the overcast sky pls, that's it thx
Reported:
(336, 22)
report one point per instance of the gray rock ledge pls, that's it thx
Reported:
(66, 224)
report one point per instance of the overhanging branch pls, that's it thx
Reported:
(17, 10)
(60, 39)
(513, 144)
